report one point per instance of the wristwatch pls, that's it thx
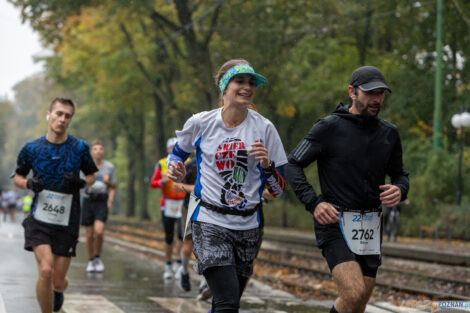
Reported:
(270, 170)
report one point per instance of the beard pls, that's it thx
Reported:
(363, 110)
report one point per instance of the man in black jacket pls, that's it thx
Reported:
(355, 150)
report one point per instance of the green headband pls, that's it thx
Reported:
(240, 69)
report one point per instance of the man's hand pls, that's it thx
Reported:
(390, 196)
(35, 184)
(177, 171)
(71, 180)
(325, 213)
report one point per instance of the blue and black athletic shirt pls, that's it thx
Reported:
(49, 162)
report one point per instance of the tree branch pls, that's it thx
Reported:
(465, 18)
(155, 16)
(214, 18)
(141, 67)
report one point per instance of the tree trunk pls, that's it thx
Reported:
(130, 199)
(363, 43)
(140, 153)
(198, 52)
(159, 126)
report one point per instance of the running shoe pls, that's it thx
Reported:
(99, 266)
(168, 273)
(90, 266)
(183, 280)
(204, 290)
(58, 300)
(177, 267)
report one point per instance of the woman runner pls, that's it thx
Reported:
(238, 153)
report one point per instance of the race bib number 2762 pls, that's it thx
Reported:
(361, 232)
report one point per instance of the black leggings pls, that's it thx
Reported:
(169, 227)
(226, 287)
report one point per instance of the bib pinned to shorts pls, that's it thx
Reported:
(173, 208)
(361, 231)
(53, 208)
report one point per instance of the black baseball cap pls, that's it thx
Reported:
(368, 78)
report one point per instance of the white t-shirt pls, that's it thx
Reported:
(99, 186)
(227, 176)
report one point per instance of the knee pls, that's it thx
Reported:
(59, 284)
(89, 234)
(187, 249)
(354, 297)
(45, 272)
(169, 239)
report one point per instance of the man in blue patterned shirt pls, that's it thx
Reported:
(51, 230)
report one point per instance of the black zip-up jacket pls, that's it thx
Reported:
(354, 155)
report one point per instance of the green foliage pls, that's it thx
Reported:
(139, 69)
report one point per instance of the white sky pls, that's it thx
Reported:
(18, 45)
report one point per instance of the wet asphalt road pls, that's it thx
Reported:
(131, 282)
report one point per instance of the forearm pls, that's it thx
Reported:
(111, 194)
(177, 154)
(181, 187)
(111, 185)
(275, 182)
(302, 189)
(403, 183)
(156, 181)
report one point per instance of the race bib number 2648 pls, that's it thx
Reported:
(53, 207)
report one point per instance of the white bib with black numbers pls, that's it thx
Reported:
(361, 232)
(173, 208)
(53, 207)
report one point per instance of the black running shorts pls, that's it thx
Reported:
(94, 209)
(35, 234)
(336, 251)
(169, 228)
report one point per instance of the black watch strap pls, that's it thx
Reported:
(270, 170)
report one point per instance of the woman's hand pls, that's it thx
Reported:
(259, 151)
(177, 171)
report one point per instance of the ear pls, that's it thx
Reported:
(352, 92)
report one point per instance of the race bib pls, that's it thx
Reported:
(173, 208)
(361, 232)
(53, 207)
(193, 203)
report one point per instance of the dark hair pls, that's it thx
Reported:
(97, 143)
(221, 72)
(63, 101)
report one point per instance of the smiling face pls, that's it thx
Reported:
(367, 103)
(240, 90)
(60, 117)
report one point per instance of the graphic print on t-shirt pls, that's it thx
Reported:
(231, 159)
